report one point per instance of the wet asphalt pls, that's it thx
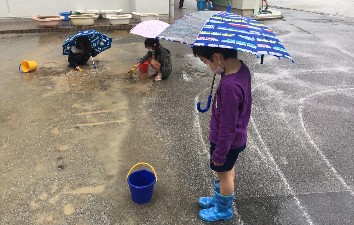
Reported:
(68, 140)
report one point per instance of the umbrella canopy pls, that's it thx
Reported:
(149, 28)
(186, 29)
(225, 30)
(99, 42)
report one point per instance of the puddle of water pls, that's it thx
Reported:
(69, 209)
(186, 77)
(43, 196)
(34, 205)
(113, 66)
(40, 167)
(90, 190)
(44, 218)
(62, 147)
(54, 200)
(55, 132)
(28, 77)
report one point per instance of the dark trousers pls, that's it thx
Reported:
(181, 3)
(78, 59)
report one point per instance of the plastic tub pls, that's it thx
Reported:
(79, 20)
(109, 13)
(144, 16)
(201, 4)
(88, 11)
(120, 19)
(95, 16)
(136, 15)
(148, 16)
(91, 12)
(65, 15)
(48, 21)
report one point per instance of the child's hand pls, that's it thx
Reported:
(136, 65)
(78, 68)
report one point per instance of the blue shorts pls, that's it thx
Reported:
(231, 158)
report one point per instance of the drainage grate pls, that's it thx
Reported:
(280, 32)
(325, 20)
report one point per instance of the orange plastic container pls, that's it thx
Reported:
(28, 66)
(144, 67)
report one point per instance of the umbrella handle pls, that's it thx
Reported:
(229, 7)
(207, 106)
(93, 63)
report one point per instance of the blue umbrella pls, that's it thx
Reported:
(225, 30)
(99, 42)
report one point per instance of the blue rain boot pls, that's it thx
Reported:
(207, 202)
(221, 211)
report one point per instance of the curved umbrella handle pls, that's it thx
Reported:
(93, 63)
(228, 7)
(207, 106)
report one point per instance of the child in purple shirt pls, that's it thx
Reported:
(231, 111)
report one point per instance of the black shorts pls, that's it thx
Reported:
(230, 158)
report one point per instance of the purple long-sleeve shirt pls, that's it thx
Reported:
(231, 111)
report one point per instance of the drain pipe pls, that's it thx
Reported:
(172, 9)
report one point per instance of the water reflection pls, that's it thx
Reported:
(28, 77)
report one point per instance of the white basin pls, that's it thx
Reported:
(79, 20)
(120, 19)
(88, 11)
(108, 13)
(145, 16)
(95, 16)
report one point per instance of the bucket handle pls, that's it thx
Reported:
(142, 163)
(19, 69)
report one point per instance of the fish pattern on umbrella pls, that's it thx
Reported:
(228, 30)
(225, 30)
(99, 42)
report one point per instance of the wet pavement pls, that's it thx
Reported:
(338, 8)
(68, 139)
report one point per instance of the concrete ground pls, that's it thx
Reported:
(338, 8)
(68, 139)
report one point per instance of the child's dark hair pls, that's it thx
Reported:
(152, 42)
(207, 52)
(83, 42)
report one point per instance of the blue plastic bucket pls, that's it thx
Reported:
(66, 15)
(141, 184)
(201, 4)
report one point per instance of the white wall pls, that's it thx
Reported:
(247, 4)
(28, 8)
(3, 7)
(159, 6)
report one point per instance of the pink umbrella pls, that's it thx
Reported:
(149, 28)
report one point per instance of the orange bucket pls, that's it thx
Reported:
(28, 66)
(144, 67)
